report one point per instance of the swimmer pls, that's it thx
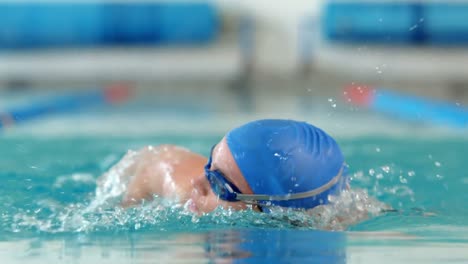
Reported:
(260, 164)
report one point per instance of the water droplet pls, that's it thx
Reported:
(386, 169)
(437, 164)
(359, 175)
(332, 102)
(411, 173)
(413, 27)
(403, 179)
(371, 172)
(195, 219)
(377, 149)
(379, 176)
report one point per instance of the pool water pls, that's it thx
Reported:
(50, 211)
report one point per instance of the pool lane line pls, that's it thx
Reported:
(407, 107)
(71, 102)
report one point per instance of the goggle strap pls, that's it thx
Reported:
(293, 196)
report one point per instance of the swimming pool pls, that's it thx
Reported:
(50, 212)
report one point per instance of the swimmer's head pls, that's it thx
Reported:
(204, 199)
(293, 163)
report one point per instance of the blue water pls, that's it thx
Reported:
(49, 209)
(414, 176)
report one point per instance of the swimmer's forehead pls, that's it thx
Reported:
(224, 162)
(219, 155)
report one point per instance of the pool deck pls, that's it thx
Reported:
(430, 71)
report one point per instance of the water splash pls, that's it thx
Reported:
(102, 212)
(113, 184)
(74, 178)
(160, 214)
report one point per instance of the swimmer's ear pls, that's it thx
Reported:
(257, 208)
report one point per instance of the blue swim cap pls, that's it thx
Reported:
(281, 157)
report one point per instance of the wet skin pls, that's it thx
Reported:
(177, 173)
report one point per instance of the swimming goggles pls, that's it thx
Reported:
(227, 191)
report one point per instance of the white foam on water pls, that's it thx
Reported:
(74, 178)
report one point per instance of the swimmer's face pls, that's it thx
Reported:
(203, 198)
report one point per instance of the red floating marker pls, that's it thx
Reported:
(73, 101)
(407, 107)
(359, 95)
(118, 93)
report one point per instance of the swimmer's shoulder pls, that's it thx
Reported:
(162, 170)
(171, 152)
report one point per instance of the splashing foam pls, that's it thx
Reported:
(103, 213)
(160, 214)
(113, 184)
(76, 177)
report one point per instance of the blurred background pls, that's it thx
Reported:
(83, 81)
(205, 66)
